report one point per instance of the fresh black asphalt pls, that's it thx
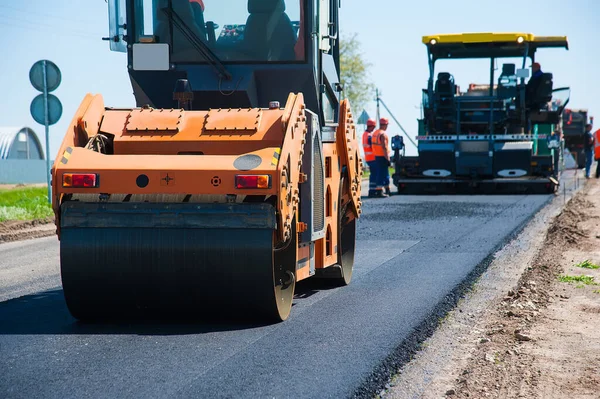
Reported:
(414, 256)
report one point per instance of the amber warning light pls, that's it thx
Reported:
(80, 180)
(253, 181)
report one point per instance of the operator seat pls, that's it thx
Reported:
(445, 89)
(443, 102)
(541, 93)
(198, 13)
(507, 82)
(190, 15)
(269, 34)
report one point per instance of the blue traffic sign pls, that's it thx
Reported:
(53, 76)
(38, 110)
(362, 119)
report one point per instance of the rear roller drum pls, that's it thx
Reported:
(116, 262)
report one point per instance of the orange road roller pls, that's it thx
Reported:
(236, 176)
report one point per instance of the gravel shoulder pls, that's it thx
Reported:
(16, 230)
(520, 332)
(36, 224)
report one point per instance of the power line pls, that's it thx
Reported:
(42, 14)
(50, 28)
(34, 25)
(396, 120)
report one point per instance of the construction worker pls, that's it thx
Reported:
(369, 156)
(379, 143)
(554, 141)
(536, 75)
(533, 84)
(588, 145)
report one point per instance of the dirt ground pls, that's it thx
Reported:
(543, 339)
(539, 339)
(14, 230)
(11, 186)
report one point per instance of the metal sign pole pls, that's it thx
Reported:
(46, 108)
(47, 127)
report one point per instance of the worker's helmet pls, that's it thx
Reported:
(371, 122)
(384, 121)
(536, 65)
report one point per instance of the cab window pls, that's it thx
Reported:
(234, 30)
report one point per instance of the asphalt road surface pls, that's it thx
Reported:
(413, 255)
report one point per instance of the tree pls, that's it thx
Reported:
(355, 73)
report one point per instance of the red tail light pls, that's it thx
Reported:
(80, 180)
(252, 181)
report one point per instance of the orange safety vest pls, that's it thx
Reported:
(597, 144)
(367, 146)
(379, 141)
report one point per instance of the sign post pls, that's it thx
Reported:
(46, 108)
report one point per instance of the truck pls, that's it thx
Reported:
(573, 127)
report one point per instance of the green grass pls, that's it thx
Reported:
(587, 264)
(25, 203)
(587, 280)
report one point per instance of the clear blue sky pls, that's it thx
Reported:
(69, 32)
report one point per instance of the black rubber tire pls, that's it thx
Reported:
(284, 277)
(346, 256)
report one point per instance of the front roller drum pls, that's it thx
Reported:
(190, 260)
(340, 274)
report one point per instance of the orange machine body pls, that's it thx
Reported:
(196, 155)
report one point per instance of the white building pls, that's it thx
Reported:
(21, 156)
(20, 143)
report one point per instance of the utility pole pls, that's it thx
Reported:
(377, 95)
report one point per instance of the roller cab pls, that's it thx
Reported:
(218, 195)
